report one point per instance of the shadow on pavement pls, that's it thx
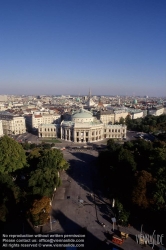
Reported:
(91, 241)
(84, 171)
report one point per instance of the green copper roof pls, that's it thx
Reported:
(82, 114)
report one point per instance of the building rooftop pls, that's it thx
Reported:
(50, 124)
(37, 116)
(6, 113)
(106, 112)
(82, 113)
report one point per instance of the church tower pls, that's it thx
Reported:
(90, 102)
(89, 93)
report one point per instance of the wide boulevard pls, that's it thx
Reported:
(79, 205)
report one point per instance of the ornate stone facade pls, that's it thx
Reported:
(12, 125)
(82, 128)
(48, 130)
(1, 129)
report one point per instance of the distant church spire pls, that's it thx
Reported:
(89, 92)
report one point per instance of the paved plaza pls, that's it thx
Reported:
(79, 205)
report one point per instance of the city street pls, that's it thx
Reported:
(31, 138)
(79, 205)
(26, 137)
(133, 135)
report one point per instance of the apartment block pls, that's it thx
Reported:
(12, 125)
(1, 129)
(33, 121)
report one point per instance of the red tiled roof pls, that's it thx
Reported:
(38, 116)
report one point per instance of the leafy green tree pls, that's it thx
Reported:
(3, 212)
(147, 124)
(46, 146)
(157, 158)
(117, 166)
(33, 158)
(158, 170)
(142, 151)
(121, 213)
(9, 196)
(128, 145)
(40, 211)
(33, 145)
(121, 120)
(159, 144)
(160, 193)
(162, 137)
(12, 155)
(128, 120)
(122, 174)
(9, 190)
(45, 178)
(34, 153)
(135, 174)
(126, 161)
(43, 181)
(52, 159)
(143, 191)
(112, 146)
(161, 119)
(26, 146)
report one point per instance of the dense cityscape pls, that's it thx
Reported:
(91, 155)
(62, 116)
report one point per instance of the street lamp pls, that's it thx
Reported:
(50, 217)
(50, 223)
(113, 221)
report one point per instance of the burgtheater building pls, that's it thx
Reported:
(82, 127)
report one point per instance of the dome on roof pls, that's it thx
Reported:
(82, 115)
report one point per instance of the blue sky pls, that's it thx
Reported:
(115, 47)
